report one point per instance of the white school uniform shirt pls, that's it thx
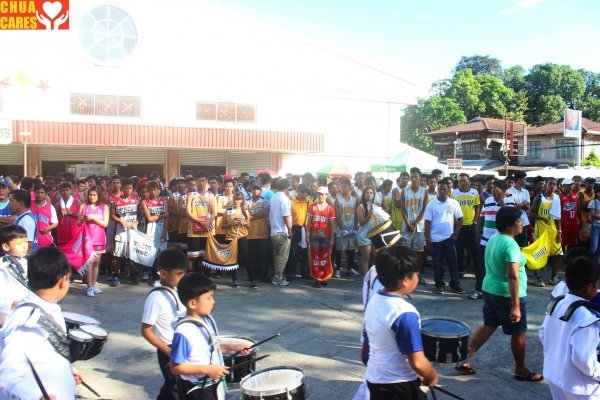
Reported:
(11, 289)
(21, 337)
(442, 217)
(570, 350)
(161, 309)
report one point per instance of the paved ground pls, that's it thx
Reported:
(320, 331)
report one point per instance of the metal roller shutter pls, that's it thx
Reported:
(202, 157)
(11, 154)
(248, 162)
(136, 155)
(73, 153)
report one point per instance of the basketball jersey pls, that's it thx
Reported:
(568, 210)
(413, 202)
(346, 212)
(126, 209)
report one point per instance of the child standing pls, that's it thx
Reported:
(156, 215)
(393, 335)
(161, 309)
(570, 346)
(45, 215)
(35, 333)
(196, 354)
(13, 269)
(237, 223)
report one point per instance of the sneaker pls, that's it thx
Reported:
(337, 273)
(439, 288)
(554, 280)
(96, 290)
(145, 276)
(537, 281)
(90, 291)
(156, 283)
(235, 284)
(352, 272)
(317, 284)
(475, 296)
(280, 282)
(114, 281)
(133, 281)
(422, 280)
(457, 289)
(253, 285)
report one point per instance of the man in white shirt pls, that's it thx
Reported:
(280, 213)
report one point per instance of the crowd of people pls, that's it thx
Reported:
(279, 227)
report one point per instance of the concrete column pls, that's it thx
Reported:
(172, 167)
(34, 160)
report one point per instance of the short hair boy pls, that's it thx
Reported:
(570, 335)
(161, 309)
(393, 334)
(25, 337)
(13, 269)
(195, 339)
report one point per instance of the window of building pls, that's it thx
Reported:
(565, 148)
(225, 111)
(107, 34)
(534, 150)
(105, 105)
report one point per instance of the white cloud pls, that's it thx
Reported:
(519, 5)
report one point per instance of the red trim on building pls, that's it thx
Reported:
(114, 135)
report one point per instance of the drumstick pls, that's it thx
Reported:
(242, 364)
(449, 393)
(38, 380)
(88, 387)
(254, 345)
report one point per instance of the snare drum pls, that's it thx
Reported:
(75, 320)
(236, 375)
(445, 340)
(80, 342)
(277, 383)
(384, 235)
(99, 336)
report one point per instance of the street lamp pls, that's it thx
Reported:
(25, 135)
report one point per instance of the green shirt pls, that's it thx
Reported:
(502, 249)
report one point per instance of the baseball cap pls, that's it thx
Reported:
(567, 181)
(4, 182)
(323, 190)
(590, 179)
(256, 187)
(228, 176)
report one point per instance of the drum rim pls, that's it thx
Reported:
(445, 335)
(252, 341)
(379, 228)
(394, 240)
(253, 392)
(79, 322)
(79, 339)
(95, 335)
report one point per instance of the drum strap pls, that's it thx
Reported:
(594, 309)
(553, 303)
(167, 290)
(212, 345)
(16, 270)
(56, 336)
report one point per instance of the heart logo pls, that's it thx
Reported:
(52, 8)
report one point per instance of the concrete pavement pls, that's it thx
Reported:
(320, 330)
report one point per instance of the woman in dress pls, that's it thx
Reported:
(94, 213)
(366, 221)
(237, 222)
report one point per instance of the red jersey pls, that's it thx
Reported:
(320, 218)
(568, 210)
(155, 207)
(126, 210)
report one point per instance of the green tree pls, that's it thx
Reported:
(592, 160)
(514, 78)
(465, 91)
(499, 101)
(428, 115)
(485, 65)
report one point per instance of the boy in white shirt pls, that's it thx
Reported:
(13, 269)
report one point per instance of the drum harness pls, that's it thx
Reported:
(16, 270)
(594, 309)
(165, 289)
(56, 336)
(212, 347)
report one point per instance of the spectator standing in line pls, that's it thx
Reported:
(280, 214)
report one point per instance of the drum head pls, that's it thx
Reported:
(444, 328)
(79, 319)
(95, 331)
(80, 336)
(235, 341)
(271, 381)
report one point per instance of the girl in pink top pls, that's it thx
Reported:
(45, 214)
(94, 213)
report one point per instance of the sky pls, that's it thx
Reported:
(423, 40)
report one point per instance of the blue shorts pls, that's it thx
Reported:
(414, 240)
(322, 242)
(496, 312)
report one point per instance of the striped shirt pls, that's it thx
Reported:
(488, 213)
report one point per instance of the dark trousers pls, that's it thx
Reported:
(258, 256)
(480, 271)
(244, 260)
(445, 250)
(298, 260)
(208, 393)
(396, 391)
(168, 390)
(466, 240)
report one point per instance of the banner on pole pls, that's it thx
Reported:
(572, 128)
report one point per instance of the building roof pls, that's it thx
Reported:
(588, 127)
(478, 125)
(111, 135)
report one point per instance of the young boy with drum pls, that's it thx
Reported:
(34, 337)
(196, 353)
(397, 365)
(161, 309)
(13, 269)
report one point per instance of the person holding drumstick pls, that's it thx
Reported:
(504, 295)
